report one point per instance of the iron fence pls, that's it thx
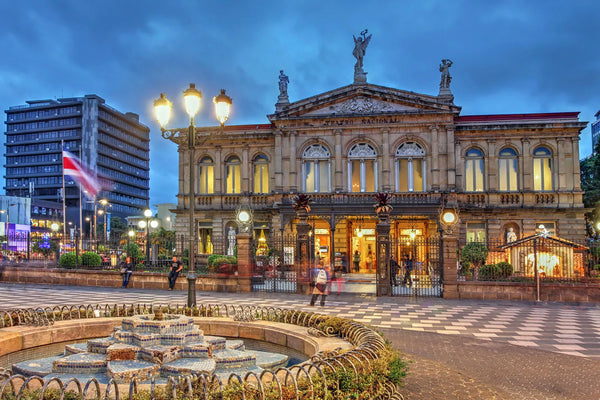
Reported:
(419, 267)
(549, 258)
(273, 267)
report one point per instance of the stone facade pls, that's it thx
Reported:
(345, 145)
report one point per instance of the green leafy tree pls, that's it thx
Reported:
(45, 246)
(67, 260)
(475, 254)
(590, 184)
(91, 259)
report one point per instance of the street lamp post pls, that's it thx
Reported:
(129, 237)
(7, 225)
(104, 203)
(162, 110)
(147, 223)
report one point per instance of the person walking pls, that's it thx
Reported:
(126, 271)
(176, 267)
(408, 266)
(320, 279)
(356, 261)
(394, 267)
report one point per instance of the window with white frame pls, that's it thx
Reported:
(206, 176)
(316, 169)
(362, 168)
(474, 171)
(542, 169)
(261, 174)
(233, 177)
(508, 170)
(476, 232)
(410, 168)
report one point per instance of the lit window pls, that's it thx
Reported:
(410, 168)
(206, 176)
(233, 181)
(362, 168)
(316, 169)
(261, 174)
(508, 170)
(548, 228)
(474, 171)
(542, 169)
(476, 232)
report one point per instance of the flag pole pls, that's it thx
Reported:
(63, 192)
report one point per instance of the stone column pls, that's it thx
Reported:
(451, 160)
(301, 263)
(448, 247)
(382, 253)
(435, 159)
(246, 169)
(527, 166)
(557, 162)
(278, 172)
(386, 181)
(244, 257)
(218, 170)
(576, 170)
(338, 182)
(491, 167)
(293, 175)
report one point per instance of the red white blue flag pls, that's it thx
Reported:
(73, 167)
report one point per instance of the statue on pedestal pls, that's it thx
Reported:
(446, 78)
(231, 238)
(511, 236)
(360, 49)
(283, 84)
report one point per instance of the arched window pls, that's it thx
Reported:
(362, 168)
(508, 171)
(206, 176)
(261, 174)
(316, 169)
(410, 168)
(542, 169)
(474, 171)
(233, 180)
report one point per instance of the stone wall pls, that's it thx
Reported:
(139, 280)
(577, 293)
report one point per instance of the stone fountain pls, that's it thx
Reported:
(152, 346)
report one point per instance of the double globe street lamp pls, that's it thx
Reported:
(162, 112)
(148, 223)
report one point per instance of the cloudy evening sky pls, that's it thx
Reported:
(509, 56)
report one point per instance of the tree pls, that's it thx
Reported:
(45, 246)
(476, 254)
(590, 184)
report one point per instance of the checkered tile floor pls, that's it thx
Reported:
(568, 329)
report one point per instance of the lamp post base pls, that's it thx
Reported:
(191, 299)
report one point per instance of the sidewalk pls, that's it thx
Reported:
(458, 349)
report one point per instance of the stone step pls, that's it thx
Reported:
(76, 348)
(82, 363)
(233, 359)
(269, 360)
(188, 366)
(125, 371)
(161, 354)
(99, 345)
(39, 367)
(235, 344)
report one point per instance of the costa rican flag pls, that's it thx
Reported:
(73, 167)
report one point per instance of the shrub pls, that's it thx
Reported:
(489, 272)
(68, 260)
(221, 264)
(506, 269)
(475, 253)
(90, 259)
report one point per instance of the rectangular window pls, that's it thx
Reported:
(355, 167)
(369, 183)
(418, 175)
(548, 227)
(508, 175)
(542, 174)
(309, 173)
(233, 179)
(323, 176)
(261, 178)
(476, 232)
(206, 179)
(403, 175)
(474, 175)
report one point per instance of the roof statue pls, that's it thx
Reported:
(360, 48)
(283, 98)
(445, 80)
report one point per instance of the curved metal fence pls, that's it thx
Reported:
(317, 378)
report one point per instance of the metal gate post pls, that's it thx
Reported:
(384, 284)
(302, 265)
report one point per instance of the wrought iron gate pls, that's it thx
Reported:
(273, 269)
(425, 277)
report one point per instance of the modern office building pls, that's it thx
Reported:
(113, 144)
(596, 131)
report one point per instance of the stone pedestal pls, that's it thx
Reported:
(244, 259)
(360, 76)
(384, 285)
(449, 246)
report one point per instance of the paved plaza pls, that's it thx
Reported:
(457, 349)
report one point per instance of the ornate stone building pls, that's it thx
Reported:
(343, 146)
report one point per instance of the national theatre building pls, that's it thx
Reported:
(500, 173)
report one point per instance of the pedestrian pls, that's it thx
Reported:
(408, 266)
(320, 278)
(356, 261)
(126, 271)
(394, 267)
(338, 277)
(176, 267)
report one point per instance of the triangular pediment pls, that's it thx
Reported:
(363, 100)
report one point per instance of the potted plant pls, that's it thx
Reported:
(302, 205)
(382, 206)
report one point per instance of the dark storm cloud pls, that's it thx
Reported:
(509, 57)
